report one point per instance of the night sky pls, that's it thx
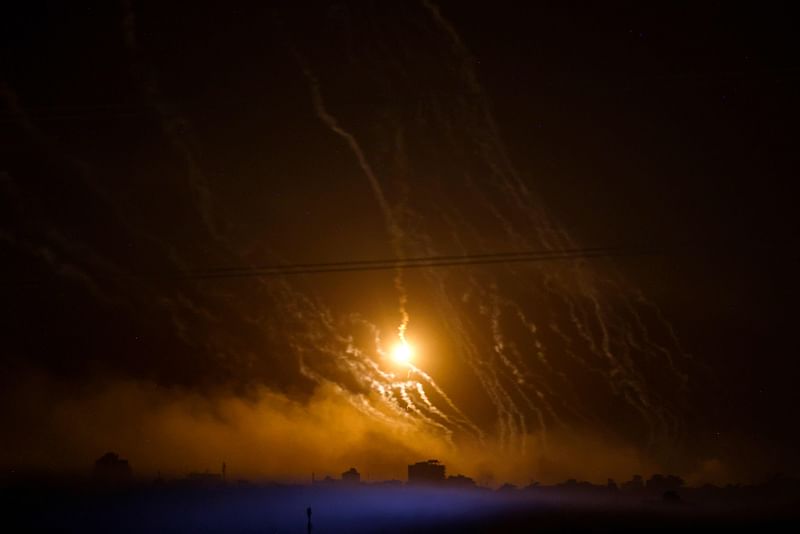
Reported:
(148, 147)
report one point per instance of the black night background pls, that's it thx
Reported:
(536, 241)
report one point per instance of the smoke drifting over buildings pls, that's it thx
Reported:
(153, 175)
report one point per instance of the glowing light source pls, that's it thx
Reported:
(402, 353)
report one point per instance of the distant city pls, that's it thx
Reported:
(112, 470)
(111, 498)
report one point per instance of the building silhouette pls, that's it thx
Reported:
(636, 484)
(111, 469)
(351, 476)
(427, 472)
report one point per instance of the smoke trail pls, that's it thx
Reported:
(395, 232)
(522, 333)
(314, 331)
(533, 352)
(607, 334)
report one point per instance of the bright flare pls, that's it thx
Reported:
(402, 353)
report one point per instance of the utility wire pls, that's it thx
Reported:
(451, 261)
(440, 262)
(405, 263)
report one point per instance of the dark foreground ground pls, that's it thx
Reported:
(282, 509)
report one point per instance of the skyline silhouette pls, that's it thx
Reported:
(399, 265)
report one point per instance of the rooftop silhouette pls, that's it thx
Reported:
(427, 472)
(111, 469)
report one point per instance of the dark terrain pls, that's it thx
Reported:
(176, 507)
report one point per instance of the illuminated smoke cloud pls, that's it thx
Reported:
(528, 357)
(585, 313)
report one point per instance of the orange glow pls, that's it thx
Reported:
(402, 353)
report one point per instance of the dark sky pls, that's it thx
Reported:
(141, 141)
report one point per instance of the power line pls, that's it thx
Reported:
(461, 260)
(408, 263)
(278, 270)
